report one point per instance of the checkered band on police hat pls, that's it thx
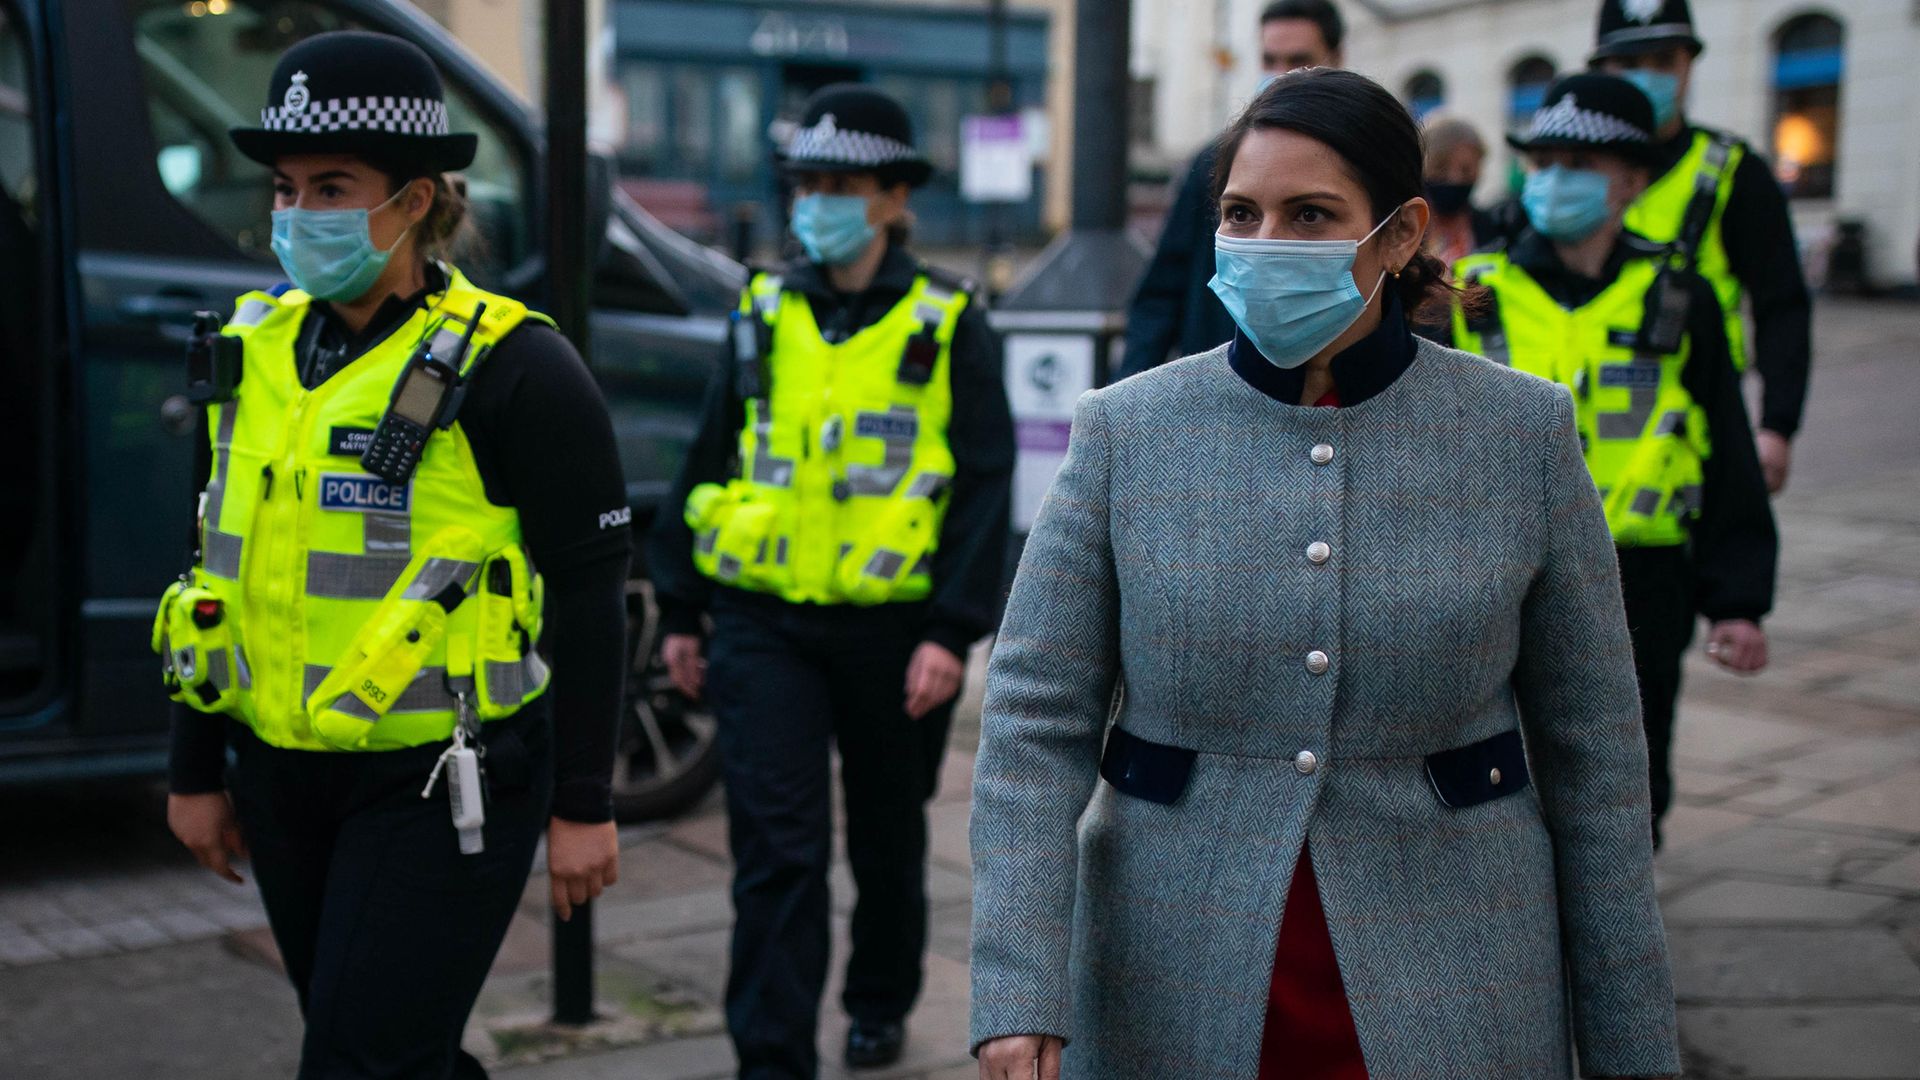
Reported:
(826, 141)
(1566, 120)
(395, 115)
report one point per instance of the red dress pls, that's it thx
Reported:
(1309, 1033)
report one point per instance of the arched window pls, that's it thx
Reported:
(1808, 58)
(1425, 92)
(1527, 83)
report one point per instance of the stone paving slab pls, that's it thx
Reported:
(1722, 965)
(1798, 1042)
(1738, 901)
(1892, 804)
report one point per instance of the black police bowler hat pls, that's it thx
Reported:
(1592, 112)
(848, 127)
(355, 92)
(1632, 27)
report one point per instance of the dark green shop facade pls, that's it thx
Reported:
(703, 82)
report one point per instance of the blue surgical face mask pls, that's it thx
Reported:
(832, 228)
(329, 254)
(1566, 204)
(1290, 297)
(1661, 88)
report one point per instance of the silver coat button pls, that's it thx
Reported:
(1493, 776)
(1305, 762)
(1318, 552)
(1321, 454)
(1318, 662)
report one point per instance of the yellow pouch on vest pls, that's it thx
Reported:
(387, 654)
(708, 507)
(741, 527)
(193, 635)
(503, 664)
(871, 570)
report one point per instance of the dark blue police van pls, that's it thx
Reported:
(123, 210)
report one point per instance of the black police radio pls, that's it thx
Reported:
(213, 361)
(426, 398)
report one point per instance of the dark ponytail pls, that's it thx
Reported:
(1373, 133)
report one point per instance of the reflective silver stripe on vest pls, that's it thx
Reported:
(704, 542)
(884, 564)
(923, 567)
(1633, 423)
(1646, 501)
(388, 534)
(772, 471)
(766, 303)
(352, 577)
(928, 314)
(220, 553)
(240, 662)
(1688, 500)
(727, 567)
(928, 485)
(513, 681)
(1672, 422)
(252, 313)
(218, 673)
(354, 707)
(222, 459)
(780, 551)
(436, 575)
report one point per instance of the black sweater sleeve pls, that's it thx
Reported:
(1735, 545)
(682, 591)
(1758, 234)
(197, 754)
(544, 444)
(1159, 304)
(969, 569)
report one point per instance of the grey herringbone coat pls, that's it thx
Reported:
(1472, 588)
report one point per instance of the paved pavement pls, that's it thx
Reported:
(1791, 882)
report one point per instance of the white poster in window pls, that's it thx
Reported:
(996, 160)
(1046, 374)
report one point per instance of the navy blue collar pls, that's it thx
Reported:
(1360, 371)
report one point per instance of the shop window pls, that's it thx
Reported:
(1425, 91)
(1808, 60)
(1527, 83)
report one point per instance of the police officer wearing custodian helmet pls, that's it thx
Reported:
(845, 529)
(393, 452)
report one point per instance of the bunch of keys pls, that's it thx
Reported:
(461, 761)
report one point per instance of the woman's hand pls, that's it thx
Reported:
(684, 664)
(206, 825)
(582, 861)
(933, 678)
(1776, 458)
(1020, 1057)
(1738, 645)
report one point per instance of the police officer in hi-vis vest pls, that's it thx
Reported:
(1581, 300)
(845, 530)
(392, 453)
(1716, 202)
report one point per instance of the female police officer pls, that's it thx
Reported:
(1641, 343)
(848, 494)
(393, 450)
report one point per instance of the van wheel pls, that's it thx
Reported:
(667, 757)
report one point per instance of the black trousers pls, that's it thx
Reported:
(388, 931)
(1657, 584)
(788, 682)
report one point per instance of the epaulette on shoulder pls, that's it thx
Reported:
(949, 280)
(281, 289)
(1726, 137)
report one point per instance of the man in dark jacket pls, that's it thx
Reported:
(1174, 313)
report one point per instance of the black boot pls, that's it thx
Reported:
(869, 1046)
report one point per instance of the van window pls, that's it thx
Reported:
(207, 64)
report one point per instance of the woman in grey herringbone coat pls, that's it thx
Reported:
(1356, 678)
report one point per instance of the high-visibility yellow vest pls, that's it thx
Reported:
(844, 463)
(1660, 215)
(357, 612)
(1644, 436)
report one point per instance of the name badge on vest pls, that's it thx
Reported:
(349, 441)
(1631, 376)
(357, 493)
(893, 427)
(1623, 339)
